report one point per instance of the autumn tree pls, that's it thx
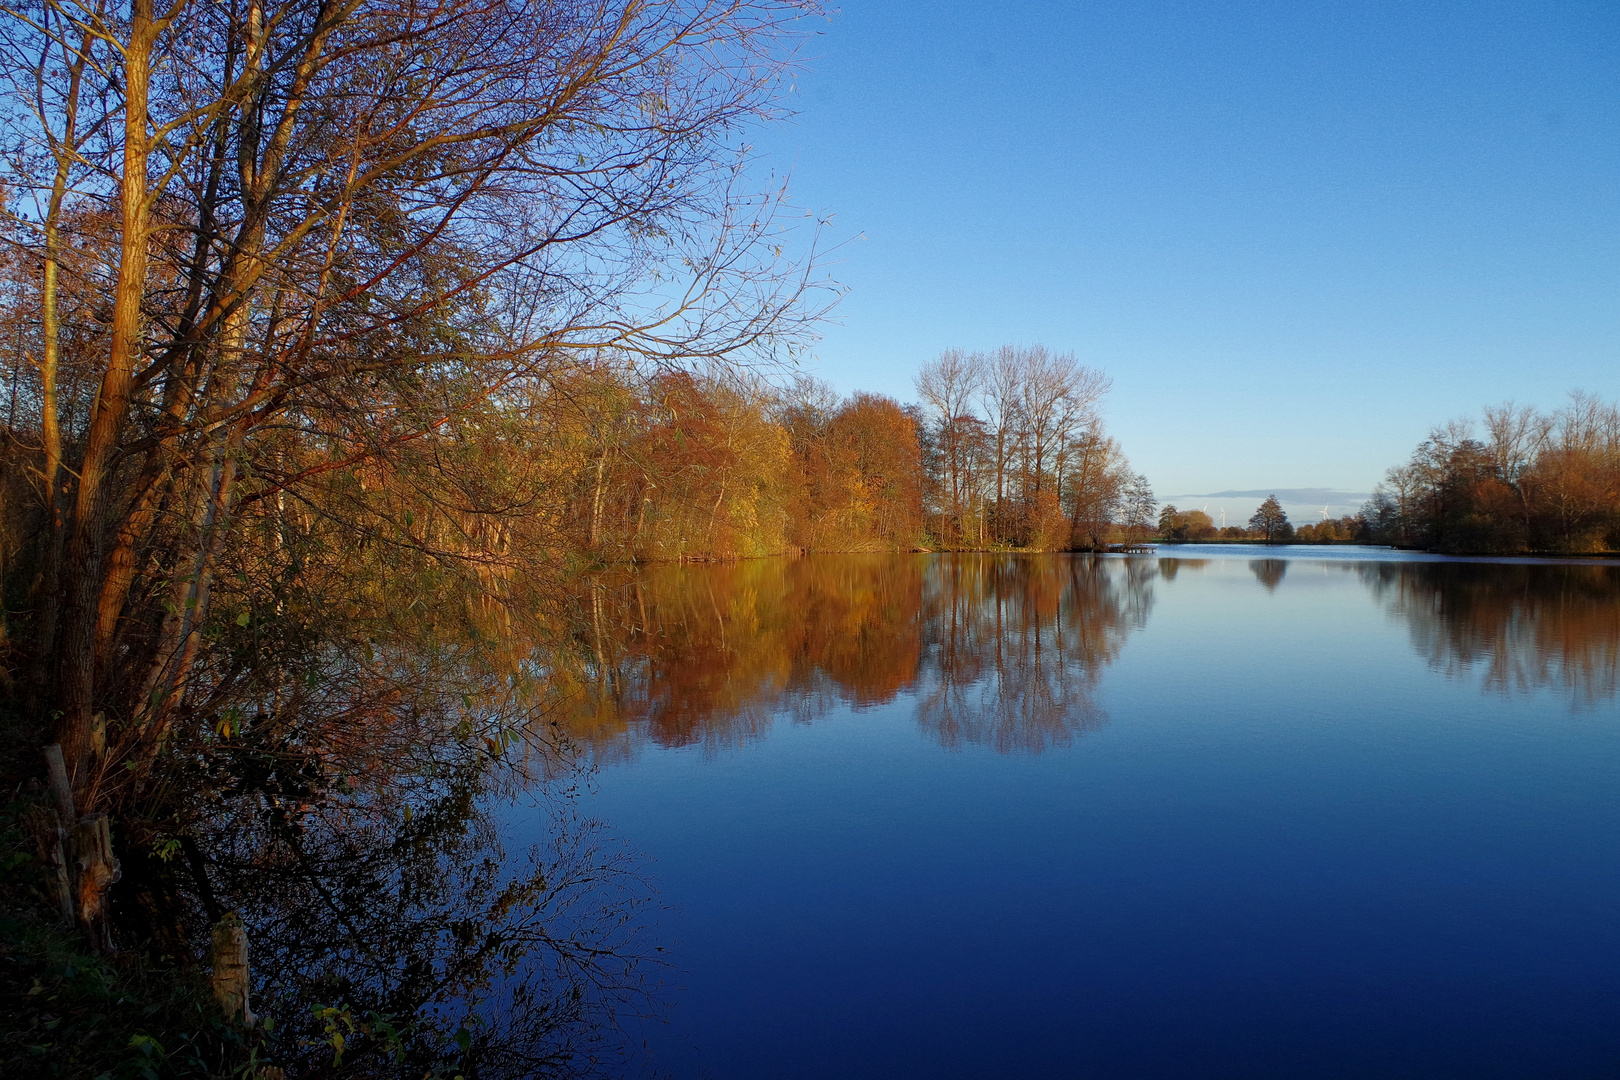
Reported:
(1346, 529)
(1097, 480)
(340, 231)
(1269, 522)
(873, 443)
(859, 467)
(1178, 526)
(715, 471)
(1534, 481)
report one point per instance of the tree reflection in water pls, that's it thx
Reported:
(1015, 647)
(413, 934)
(997, 650)
(1269, 572)
(1528, 626)
(352, 833)
(356, 826)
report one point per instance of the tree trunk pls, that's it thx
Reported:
(47, 592)
(111, 411)
(596, 501)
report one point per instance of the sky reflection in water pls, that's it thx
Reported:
(1223, 815)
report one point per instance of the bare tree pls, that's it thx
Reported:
(1517, 435)
(1059, 396)
(999, 396)
(948, 385)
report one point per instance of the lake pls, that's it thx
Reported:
(1223, 811)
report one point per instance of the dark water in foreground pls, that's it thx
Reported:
(1221, 814)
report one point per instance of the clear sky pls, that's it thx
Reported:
(1296, 234)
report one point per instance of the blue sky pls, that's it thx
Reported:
(1296, 234)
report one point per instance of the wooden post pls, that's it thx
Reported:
(60, 787)
(230, 961)
(97, 870)
(89, 862)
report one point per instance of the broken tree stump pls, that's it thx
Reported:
(96, 871)
(230, 962)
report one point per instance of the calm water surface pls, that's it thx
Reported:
(1219, 814)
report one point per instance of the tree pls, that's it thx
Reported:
(1177, 526)
(1098, 477)
(1137, 505)
(948, 385)
(1270, 522)
(1349, 529)
(339, 234)
(999, 396)
(1198, 525)
(1035, 445)
(875, 466)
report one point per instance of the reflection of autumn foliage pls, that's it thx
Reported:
(1527, 627)
(1002, 651)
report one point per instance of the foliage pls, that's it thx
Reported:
(72, 1013)
(1192, 525)
(1270, 523)
(1534, 482)
(860, 474)
(1348, 529)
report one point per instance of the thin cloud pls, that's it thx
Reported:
(1298, 495)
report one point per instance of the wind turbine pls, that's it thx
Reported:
(1325, 511)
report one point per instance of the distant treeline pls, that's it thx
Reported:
(1520, 480)
(1269, 525)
